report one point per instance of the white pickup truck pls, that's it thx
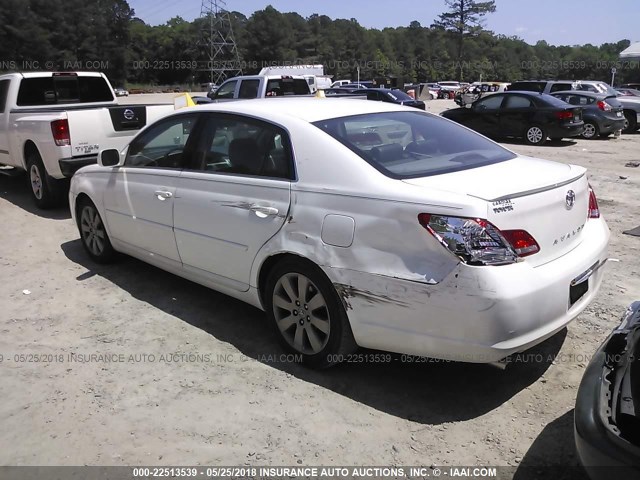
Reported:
(51, 124)
(261, 86)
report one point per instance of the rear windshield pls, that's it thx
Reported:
(63, 90)
(399, 95)
(413, 144)
(287, 86)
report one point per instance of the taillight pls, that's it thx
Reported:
(522, 242)
(604, 106)
(594, 210)
(477, 241)
(564, 115)
(60, 131)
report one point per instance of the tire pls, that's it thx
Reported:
(313, 324)
(631, 121)
(47, 192)
(591, 131)
(93, 233)
(535, 135)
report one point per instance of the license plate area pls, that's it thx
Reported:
(576, 292)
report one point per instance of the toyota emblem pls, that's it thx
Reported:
(128, 114)
(570, 199)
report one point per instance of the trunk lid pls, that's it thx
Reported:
(528, 194)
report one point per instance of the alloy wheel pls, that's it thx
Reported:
(535, 135)
(589, 131)
(36, 181)
(93, 232)
(301, 313)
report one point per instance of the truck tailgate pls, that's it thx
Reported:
(93, 130)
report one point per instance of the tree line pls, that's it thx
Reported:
(106, 35)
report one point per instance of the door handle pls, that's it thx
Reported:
(264, 212)
(163, 195)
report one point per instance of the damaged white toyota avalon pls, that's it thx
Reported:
(354, 223)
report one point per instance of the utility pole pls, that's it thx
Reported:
(218, 43)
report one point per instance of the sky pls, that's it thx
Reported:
(559, 22)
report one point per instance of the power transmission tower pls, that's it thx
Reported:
(218, 43)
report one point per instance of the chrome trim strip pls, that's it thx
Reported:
(583, 277)
(532, 192)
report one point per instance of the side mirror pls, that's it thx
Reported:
(109, 158)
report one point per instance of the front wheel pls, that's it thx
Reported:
(535, 135)
(307, 314)
(93, 233)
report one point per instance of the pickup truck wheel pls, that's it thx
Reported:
(307, 314)
(93, 233)
(631, 121)
(46, 191)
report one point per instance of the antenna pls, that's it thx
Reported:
(218, 43)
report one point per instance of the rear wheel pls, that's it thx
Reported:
(591, 131)
(93, 233)
(631, 121)
(46, 191)
(307, 314)
(535, 135)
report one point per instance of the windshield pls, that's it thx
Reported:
(413, 144)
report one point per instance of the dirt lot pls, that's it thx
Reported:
(193, 378)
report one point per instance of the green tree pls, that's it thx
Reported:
(464, 18)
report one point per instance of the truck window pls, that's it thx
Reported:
(63, 89)
(4, 88)
(277, 87)
(226, 90)
(249, 89)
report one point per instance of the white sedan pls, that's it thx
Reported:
(354, 223)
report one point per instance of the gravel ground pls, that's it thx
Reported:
(194, 377)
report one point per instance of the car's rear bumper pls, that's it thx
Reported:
(69, 166)
(477, 314)
(560, 131)
(597, 443)
(609, 125)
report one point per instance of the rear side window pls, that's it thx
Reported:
(249, 89)
(4, 89)
(62, 90)
(516, 101)
(243, 146)
(410, 145)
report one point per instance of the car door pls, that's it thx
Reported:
(140, 195)
(233, 198)
(486, 115)
(516, 115)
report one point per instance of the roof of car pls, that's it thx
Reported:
(309, 109)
